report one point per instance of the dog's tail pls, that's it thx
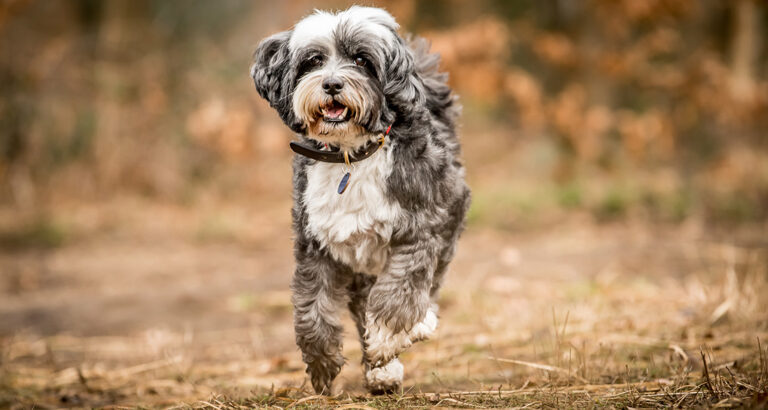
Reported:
(440, 100)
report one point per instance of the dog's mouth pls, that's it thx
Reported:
(335, 111)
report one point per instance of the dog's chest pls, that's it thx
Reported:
(355, 226)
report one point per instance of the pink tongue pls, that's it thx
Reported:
(335, 111)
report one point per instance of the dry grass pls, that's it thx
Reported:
(588, 316)
(679, 382)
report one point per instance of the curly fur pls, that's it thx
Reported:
(381, 248)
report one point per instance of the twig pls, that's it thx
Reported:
(304, 400)
(539, 366)
(459, 402)
(144, 367)
(356, 406)
(680, 352)
(763, 365)
(708, 381)
(211, 404)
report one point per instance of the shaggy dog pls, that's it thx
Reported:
(378, 187)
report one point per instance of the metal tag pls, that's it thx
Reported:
(343, 184)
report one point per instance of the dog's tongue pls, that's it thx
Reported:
(335, 110)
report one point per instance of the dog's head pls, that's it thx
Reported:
(338, 78)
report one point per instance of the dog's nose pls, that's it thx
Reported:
(332, 85)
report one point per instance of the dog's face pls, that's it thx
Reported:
(337, 78)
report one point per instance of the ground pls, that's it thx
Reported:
(195, 311)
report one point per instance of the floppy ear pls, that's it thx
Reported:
(272, 74)
(403, 85)
(270, 66)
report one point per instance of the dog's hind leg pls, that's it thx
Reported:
(317, 296)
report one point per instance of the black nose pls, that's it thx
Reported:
(332, 85)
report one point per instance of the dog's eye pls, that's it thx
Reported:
(360, 61)
(316, 60)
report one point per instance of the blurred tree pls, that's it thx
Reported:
(152, 97)
(744, 50)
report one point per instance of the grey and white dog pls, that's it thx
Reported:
(341, 80)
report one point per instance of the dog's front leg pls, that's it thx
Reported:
(316, 298)
(399, 310)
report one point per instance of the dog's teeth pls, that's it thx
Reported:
(322, 110)
(344, 113)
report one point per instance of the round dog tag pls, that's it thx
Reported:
(343, 184)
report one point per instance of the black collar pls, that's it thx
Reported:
(337, 156)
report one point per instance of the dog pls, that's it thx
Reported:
(378, 185)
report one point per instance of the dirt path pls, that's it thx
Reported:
(162, 320)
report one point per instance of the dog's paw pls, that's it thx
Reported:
(424, 329)
(383, 344)
(322, 370)
(385, 379)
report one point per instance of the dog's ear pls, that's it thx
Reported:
(272, 74)
(402, 82)
(270, 66)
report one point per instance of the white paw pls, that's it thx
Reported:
(424, 329)
(383, 344)
(386, 377)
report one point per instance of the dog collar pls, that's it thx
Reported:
(341, 157)
(336, 156)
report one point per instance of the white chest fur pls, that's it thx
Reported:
(355, 226)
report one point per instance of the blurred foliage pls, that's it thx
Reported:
(657, 108)
(40, 233)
